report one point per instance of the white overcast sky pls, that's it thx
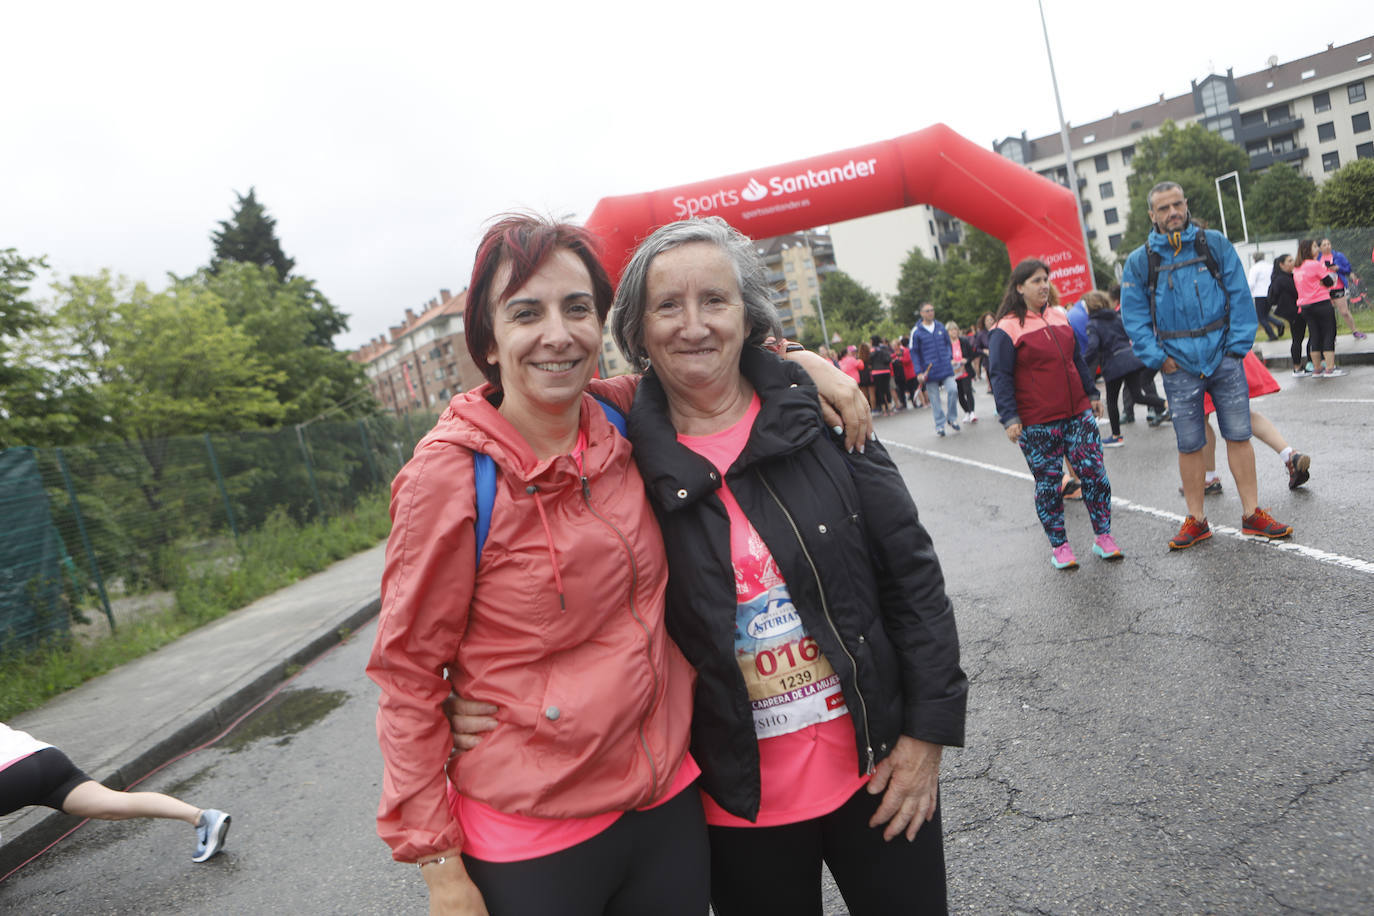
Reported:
(382, 135)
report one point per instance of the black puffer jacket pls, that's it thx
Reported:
(1283, 295)
(1109, 349)
(860, 568)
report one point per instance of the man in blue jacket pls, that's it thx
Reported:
(1197, 330)
(932, 355)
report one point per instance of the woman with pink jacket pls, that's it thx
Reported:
(1314, 303)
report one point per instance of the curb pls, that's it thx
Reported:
(187, 732)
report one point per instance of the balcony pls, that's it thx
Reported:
(1265, 159)
(950, 237)
(774, 276)
(1251, 132)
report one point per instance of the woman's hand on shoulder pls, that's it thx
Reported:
(843, 404)
(909, 779)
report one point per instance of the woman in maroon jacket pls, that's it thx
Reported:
(1047, 401)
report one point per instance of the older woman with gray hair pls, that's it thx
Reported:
(803, 589)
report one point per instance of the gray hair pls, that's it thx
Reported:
(1160, 189)
(627, 314)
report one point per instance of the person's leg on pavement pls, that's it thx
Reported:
(877, 877)
(1185, 402)
(1295, 462)
(936, 405)
(1042, 444)
(1231, 396)
(1113, 412)
(1342, 305)
(91, 799)
(951, 400)
(1298, 325)
(1135, 384)
(1127, 405)
(1083, 448)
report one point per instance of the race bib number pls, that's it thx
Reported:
(791, 684)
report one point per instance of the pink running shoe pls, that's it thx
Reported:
(1105, 547)
(1063, 557)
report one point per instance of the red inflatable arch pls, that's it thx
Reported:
(1034, 216)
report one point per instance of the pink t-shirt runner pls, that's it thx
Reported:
(807, 758)
(499, 836)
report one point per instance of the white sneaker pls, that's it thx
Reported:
(1334, 373)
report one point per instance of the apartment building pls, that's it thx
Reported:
(423, 361)
(1313, 113)
(873, 248)
(795, 265)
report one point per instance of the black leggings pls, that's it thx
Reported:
(44, 778)
(1298, 326)
(1321, 322)
(650, 861)
(964, 386)
(882, 394)
(758, 870)
(1134, 382)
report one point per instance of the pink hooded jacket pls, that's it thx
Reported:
(562, 629)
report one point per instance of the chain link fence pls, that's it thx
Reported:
(83, 527)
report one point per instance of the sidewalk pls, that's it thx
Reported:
(125, 723)
(1349, 351)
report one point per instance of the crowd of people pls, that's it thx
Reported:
(1051, 369)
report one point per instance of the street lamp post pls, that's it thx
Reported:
(1064, 138)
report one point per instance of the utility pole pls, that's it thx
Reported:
(1064, 137)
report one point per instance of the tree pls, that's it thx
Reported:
(162, 364)
(26, 383)
(915, 284)
(849, 301)
(1346, 201)
(250, 237)
(1343, 208)
(283, 319)
(1279, 201)
(1192, 156)
(18, 315)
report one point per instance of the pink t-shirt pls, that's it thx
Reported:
(498, 836)
(807, 758)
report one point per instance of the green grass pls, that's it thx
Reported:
(276, 555)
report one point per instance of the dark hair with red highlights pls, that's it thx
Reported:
(524, 241)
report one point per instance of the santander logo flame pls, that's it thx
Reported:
(754, 191)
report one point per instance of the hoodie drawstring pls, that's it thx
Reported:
(548, 537)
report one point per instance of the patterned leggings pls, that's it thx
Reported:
(1045, 446)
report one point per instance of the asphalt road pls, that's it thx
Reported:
(1179, 732)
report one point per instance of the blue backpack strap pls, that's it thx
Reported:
(615, 416)
(484, 478)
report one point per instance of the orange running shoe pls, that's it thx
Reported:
(1193, 530)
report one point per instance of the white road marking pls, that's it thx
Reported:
(1312, 553)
